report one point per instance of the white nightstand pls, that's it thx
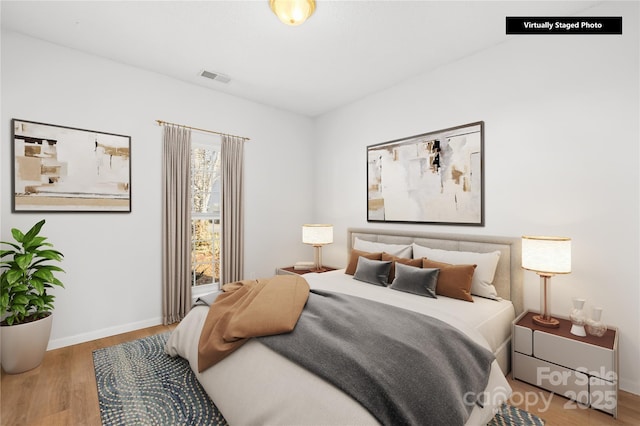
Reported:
(584, 369)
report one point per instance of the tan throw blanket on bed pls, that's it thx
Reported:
(250, 308)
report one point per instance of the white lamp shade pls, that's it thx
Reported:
(550, 255)
(317, 234)
(293, 12)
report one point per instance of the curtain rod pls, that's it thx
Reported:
(161, 122)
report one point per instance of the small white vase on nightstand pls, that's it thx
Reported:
(595, 326)
(578, 318)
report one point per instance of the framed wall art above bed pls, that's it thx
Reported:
(58, 168)
(435, 177)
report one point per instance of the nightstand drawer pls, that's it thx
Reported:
(523, 340)
(598, 361)
(570, 383)
(604, 395)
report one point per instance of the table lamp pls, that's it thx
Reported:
(547, 256)
(317, 235)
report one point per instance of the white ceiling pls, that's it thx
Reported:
(344, 52)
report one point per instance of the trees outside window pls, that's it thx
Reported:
(205, 213)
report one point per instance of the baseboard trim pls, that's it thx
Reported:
(630, 386)
(104, 332)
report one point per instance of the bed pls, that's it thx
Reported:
(257, 386)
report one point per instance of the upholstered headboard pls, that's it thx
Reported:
(508, 277)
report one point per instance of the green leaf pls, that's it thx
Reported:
(51, 268)
(20, 287)
(50, 254)
(17, 235)
(20, 299)
(37, 285)
(10, 320)
(24, 260)
(57, 282)
(4, 301)
(13, 276)
(36, 300)
(44, 274)
(34, 242)
(35, 230)
(4, 253)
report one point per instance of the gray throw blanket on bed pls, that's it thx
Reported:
(405, 368)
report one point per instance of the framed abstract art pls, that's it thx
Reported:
(435, 177)
(57, 168)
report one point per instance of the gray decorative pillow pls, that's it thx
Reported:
(420, 281)
(372, 271)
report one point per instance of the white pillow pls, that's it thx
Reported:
(400, 250)
(481, 284)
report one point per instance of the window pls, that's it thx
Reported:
(205, 212)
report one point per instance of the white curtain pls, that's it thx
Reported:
(232, 215)
(176, 224)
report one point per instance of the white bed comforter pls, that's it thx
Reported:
(256, 386)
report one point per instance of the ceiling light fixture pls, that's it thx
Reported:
(293, 12)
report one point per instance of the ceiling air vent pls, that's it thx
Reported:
(215, 76)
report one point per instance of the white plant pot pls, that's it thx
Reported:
(23, 346)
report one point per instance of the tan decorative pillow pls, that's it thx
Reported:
(403, 260)
(454, 280)
(486, 264)
(353, 259)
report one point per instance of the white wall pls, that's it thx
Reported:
(113, 260)
(561, 158)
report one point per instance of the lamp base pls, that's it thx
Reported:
(550, 323)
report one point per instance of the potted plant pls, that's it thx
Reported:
(26, 275)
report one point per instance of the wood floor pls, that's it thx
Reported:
(62, 391)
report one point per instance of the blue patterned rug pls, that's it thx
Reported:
(512, 416)
(138, 384)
